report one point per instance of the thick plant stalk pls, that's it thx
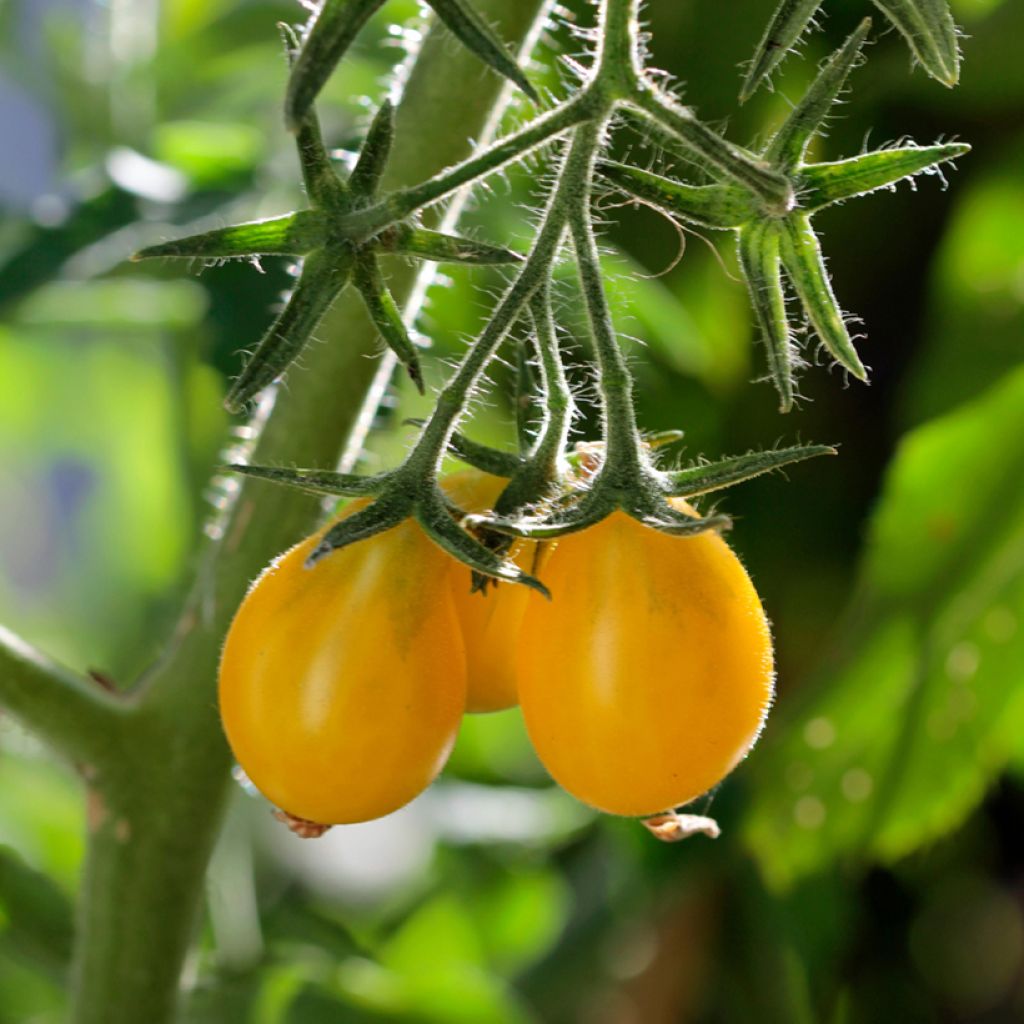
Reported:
(156, 802)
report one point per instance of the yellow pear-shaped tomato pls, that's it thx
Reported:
(648, 675)
(342, 686)
(490, 621)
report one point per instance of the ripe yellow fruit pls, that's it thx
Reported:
(490, 621)
(342, 686)
(649, 674)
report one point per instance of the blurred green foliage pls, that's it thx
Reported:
(872, 860)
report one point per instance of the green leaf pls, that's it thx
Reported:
(711, 206)
(324, 273)
(476, 34)
(328, 35)
(762, 270)
(291, 235)
(116, 304)
(896, 744)
(805, 266)
(928, 27)
(373, 156)
(713, 476)
(790, 142)
(386, 315)
(521, 917)
(209, 152)
(972, 334)
(826, 183)
(788, 24)
(451, 985)
(36, 913)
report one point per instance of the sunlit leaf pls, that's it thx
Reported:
(896, 743)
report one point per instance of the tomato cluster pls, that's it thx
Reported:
(642, 683)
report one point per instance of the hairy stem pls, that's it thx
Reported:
(452, 401)
(155, 815)
(404, 202)
(558, 401)
(622, 441)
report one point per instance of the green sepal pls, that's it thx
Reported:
(314, 481)
(328, 35)
(325, 273)
(788, 145)
(403, 240)
(710, 206)
(663, 438)
(580, 516)
(805, 267)
(746, 169)
(787, 25)
(386, 315)
(929, 29)
(361, 525)
(292, 235)
(479, 456)
(373, 156)
(477, 35)
(761, 267)
(442, 529)
(679, 524)
(822, 184)
(695, 480)
(323, 186)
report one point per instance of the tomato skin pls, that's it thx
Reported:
(490, 622)
(342, 686)
(649, 674)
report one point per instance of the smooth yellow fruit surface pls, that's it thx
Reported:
(342, 686)
(490, 621)
(648, 675)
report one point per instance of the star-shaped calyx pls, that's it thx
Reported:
(331, 260)
(926, 25)
(769, 241)
(336, 23)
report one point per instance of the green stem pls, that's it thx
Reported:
(616, 59)
(622, 441)
(73, 714)
(156, 813)
(744, 168)
(452, 401)
(533, 476)
(558, 401)
(404, 202)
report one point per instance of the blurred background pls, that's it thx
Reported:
(872, 862)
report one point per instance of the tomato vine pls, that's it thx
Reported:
(152, 756)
